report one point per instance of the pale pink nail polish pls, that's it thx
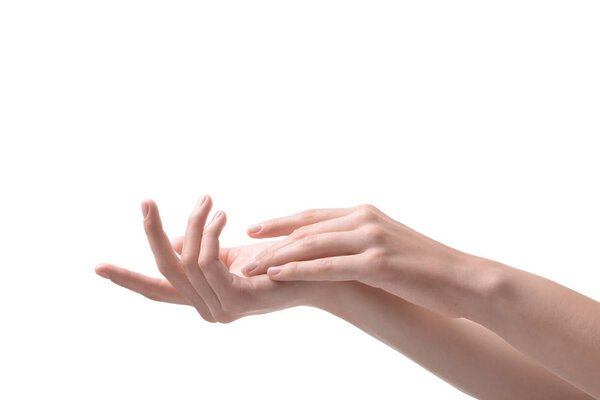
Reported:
(253, 229)
(274, 271)
(103, 274)
(145, 208)
(216, 216)
(201, 201)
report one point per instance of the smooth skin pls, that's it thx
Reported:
(205, 276)
(209, 278)
(549, 323)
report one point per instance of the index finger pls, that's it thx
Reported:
(167, 261)
(286, 225)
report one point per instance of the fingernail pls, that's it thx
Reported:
(273, 271)
(201, 201)
(250, 267)
(103, 274)
(254, 228)
(145, 208)
(217, 215)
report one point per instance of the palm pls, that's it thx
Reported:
(250, 295)
(206, 277)
(258, 294)
(235, 258)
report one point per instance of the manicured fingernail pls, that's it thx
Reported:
(274, 271)
(216, 216)
(252, 229)
(145, 208)
(103, 274)
(201, 201)
(250, 267)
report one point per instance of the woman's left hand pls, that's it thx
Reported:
(206, 276)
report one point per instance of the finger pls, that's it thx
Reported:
(321, 245)
(339, 224)
(159, 242)
(167, 261)
(177, 244)
(216, 273)
(153, 288)
(286, 225)
(192, 242)
(340, 268)
(210, 243)
(194, 229)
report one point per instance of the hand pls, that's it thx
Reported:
(206, 276)
(362, 243)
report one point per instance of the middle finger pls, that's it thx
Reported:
(191, 249)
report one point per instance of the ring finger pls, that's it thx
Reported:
(191, 250)
(309, 248)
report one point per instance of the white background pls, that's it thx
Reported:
(472, 122)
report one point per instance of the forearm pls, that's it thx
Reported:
(548, 322)
(461, 352)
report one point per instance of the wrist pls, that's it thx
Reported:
(487, 286)
(327, 295)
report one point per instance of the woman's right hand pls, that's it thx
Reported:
(207, 277)
(364, 244)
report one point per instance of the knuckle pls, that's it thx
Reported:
(192, 219)
(308, 214)
(291, 268)
(151, 224)
(309, 241)
(153, 291)
(369, 207)
(271, 225)
(206, 316)
(187, 262)
(191, 269)
(326, 265)
(374, 233)
(151, 294)
(207, 232)
(163, 269)
(202, 265)
(299, 233)
(223, 317)
(196, 219)
(229, 310)
(365, 213)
